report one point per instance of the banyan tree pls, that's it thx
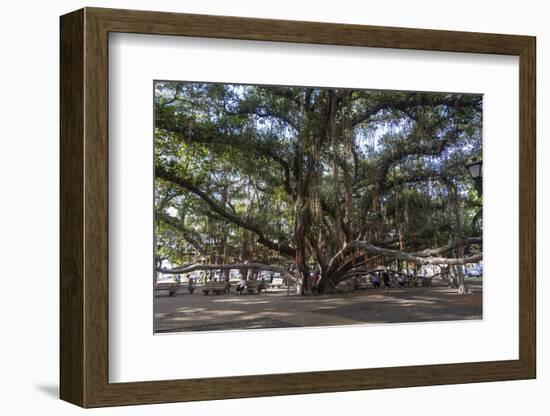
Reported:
(316, 179)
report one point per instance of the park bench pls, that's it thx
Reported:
(403, 281)
(362, 282)
(253, 286)
(171, 287)
(276, 282)
(344, 287)
(426, 281)
(215, 287)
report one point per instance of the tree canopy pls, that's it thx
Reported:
(320, 179)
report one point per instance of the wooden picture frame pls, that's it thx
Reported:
(84, 207)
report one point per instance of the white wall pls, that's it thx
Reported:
(29, 207)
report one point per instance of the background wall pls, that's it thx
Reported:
(29, 208)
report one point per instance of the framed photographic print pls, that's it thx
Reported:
(256, 207)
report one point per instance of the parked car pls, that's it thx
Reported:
(474, 272)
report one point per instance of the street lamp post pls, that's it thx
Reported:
(476, 172)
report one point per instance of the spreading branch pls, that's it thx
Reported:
(415, 100)
(412, 257)
(216, 206)
(237, 266)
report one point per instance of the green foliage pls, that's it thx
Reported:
(371, 165)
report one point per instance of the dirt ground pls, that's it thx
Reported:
(274, 309)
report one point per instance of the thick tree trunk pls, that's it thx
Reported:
(326, 286)
(453, 280)
(302, 286)
(459, 273)
(461, 282)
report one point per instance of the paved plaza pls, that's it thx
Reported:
(274, 309)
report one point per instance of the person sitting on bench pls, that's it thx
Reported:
(402, 281)
(241, 286)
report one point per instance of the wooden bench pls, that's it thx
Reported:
(277, 282)
(253, 286)
(171, 287)
(215, 287)
(174, 287)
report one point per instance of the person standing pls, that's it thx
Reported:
(376, 280)
(315, 281)
(386, 279)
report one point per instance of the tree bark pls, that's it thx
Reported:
(461, 282)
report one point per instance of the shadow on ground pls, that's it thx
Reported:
(275, 309)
